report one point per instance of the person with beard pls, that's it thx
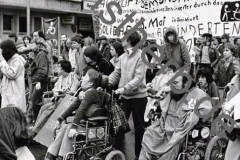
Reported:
(163, 139)
(13, 83)
(39, 69)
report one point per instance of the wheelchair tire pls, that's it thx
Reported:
(216, 149)
(115, 155)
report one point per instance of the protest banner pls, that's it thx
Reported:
(199, 16)
(51, 30)
(45, 136)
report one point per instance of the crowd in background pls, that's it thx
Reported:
(31, 66)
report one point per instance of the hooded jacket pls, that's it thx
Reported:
(177, 50)
(13, 83)
(39, 68)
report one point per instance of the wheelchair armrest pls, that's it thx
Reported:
(100, 118)
(48, 93)
(60, 95)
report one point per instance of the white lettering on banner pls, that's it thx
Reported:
(51, 29)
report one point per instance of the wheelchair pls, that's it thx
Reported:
(201, 144)
(94, 140)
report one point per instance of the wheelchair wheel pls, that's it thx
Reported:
(115, 155)
(216, 149)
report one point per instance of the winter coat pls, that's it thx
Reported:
(177, 50)
(39, 68)
(13, 83)
(222, 76)
(106, 51)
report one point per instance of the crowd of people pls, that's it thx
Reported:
(30, 67)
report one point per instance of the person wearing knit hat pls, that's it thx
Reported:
(13, 83)
(104, 48)
(76, 55)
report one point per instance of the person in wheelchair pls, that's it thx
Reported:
(163, 138)
(90, 99)
(67, 83)
(231, 107)
(156, 87)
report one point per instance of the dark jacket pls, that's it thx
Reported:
(213, 56)
(103, 66)
(90, 101)
(39, 68)
(222, 76)
(105, 50)
(7, 145)
(212, 90)
(177, 50)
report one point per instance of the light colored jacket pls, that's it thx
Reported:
(13, 83)
(131, 74)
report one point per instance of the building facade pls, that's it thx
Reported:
(75, 16)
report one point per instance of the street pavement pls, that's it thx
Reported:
(39, 150)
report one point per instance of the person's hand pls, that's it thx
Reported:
(58, 125)
(149, 85)
(55, 93)
(99, 89)
(72, 132)
(38, 86)
(120, 91)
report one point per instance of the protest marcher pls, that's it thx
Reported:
(17, 40)
(104, 47)
(237, 53)
(207, 57)
(225, 69)
(96, 61)
(205, 83)
(175, 48)
(78, 45)
(18, 129)
(232, 105)
(63, 42)
(13, 83)
(163, 138)
(90, 100)
(67, 83)
(39, 69)
(88, 42)
(116, 51)
(225, 39)
(130, 72)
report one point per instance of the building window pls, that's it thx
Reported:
(7, 22)
(22, 24)
(37, 23)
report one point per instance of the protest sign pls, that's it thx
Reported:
(45, 136)
(198, 16)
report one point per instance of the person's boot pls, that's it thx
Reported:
(49, 156)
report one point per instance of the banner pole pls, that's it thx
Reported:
(59, 37)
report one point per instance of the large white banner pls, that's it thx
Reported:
(191, 18)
